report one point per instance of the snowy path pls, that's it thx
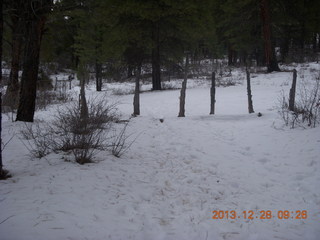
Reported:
(174, 176)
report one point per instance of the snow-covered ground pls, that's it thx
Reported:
(176, 173)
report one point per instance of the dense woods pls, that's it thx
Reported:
(113, 39)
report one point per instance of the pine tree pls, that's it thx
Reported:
(35, 17)
(269, 50)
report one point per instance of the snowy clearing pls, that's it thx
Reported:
(175, 174)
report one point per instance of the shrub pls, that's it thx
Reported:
(83, 137)
(307, 106)
(39, 139)
(119, 142)
(47, 97)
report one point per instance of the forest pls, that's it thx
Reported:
(115, 39)
(159, 119)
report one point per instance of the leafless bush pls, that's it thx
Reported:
(84, 137)
(169, 86)
(4, 174)
(68, 132)
(39, 139)
(307, 106)
(229, 81)
(121, 92)
(47, 97)
(120, 144)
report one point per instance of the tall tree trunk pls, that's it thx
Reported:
(83, 75)
(35, 19)
(156, 71)
(98, 76)
(136, 98)
(129, 69)
(84, 113)
(302, 29)
(12, 94)
(231, 54)
(271, 60)
(183, 89)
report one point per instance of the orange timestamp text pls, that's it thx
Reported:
(262, 214)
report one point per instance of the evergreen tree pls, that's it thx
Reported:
(35, 17)
(269, 50)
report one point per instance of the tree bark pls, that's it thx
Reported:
(270, 57)
(35, 20)
(156, 71)
(232, 56)
(213, 93)
(183, 89)
(84, 112)
(136, 98)
(98, 76)
(250, 105)
(292, 93)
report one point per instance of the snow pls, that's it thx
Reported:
(176, 172)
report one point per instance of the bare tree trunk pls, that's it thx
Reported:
(213, 93)
(250, 105)
(183, 89)
(84, 112)
(156, 72)
(232, 56)
(271, 60)
(292, 93)
(136, 98)
(98, 76)
(129, 69)
(35, 20)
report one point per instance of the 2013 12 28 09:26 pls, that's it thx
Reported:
(262, 214)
